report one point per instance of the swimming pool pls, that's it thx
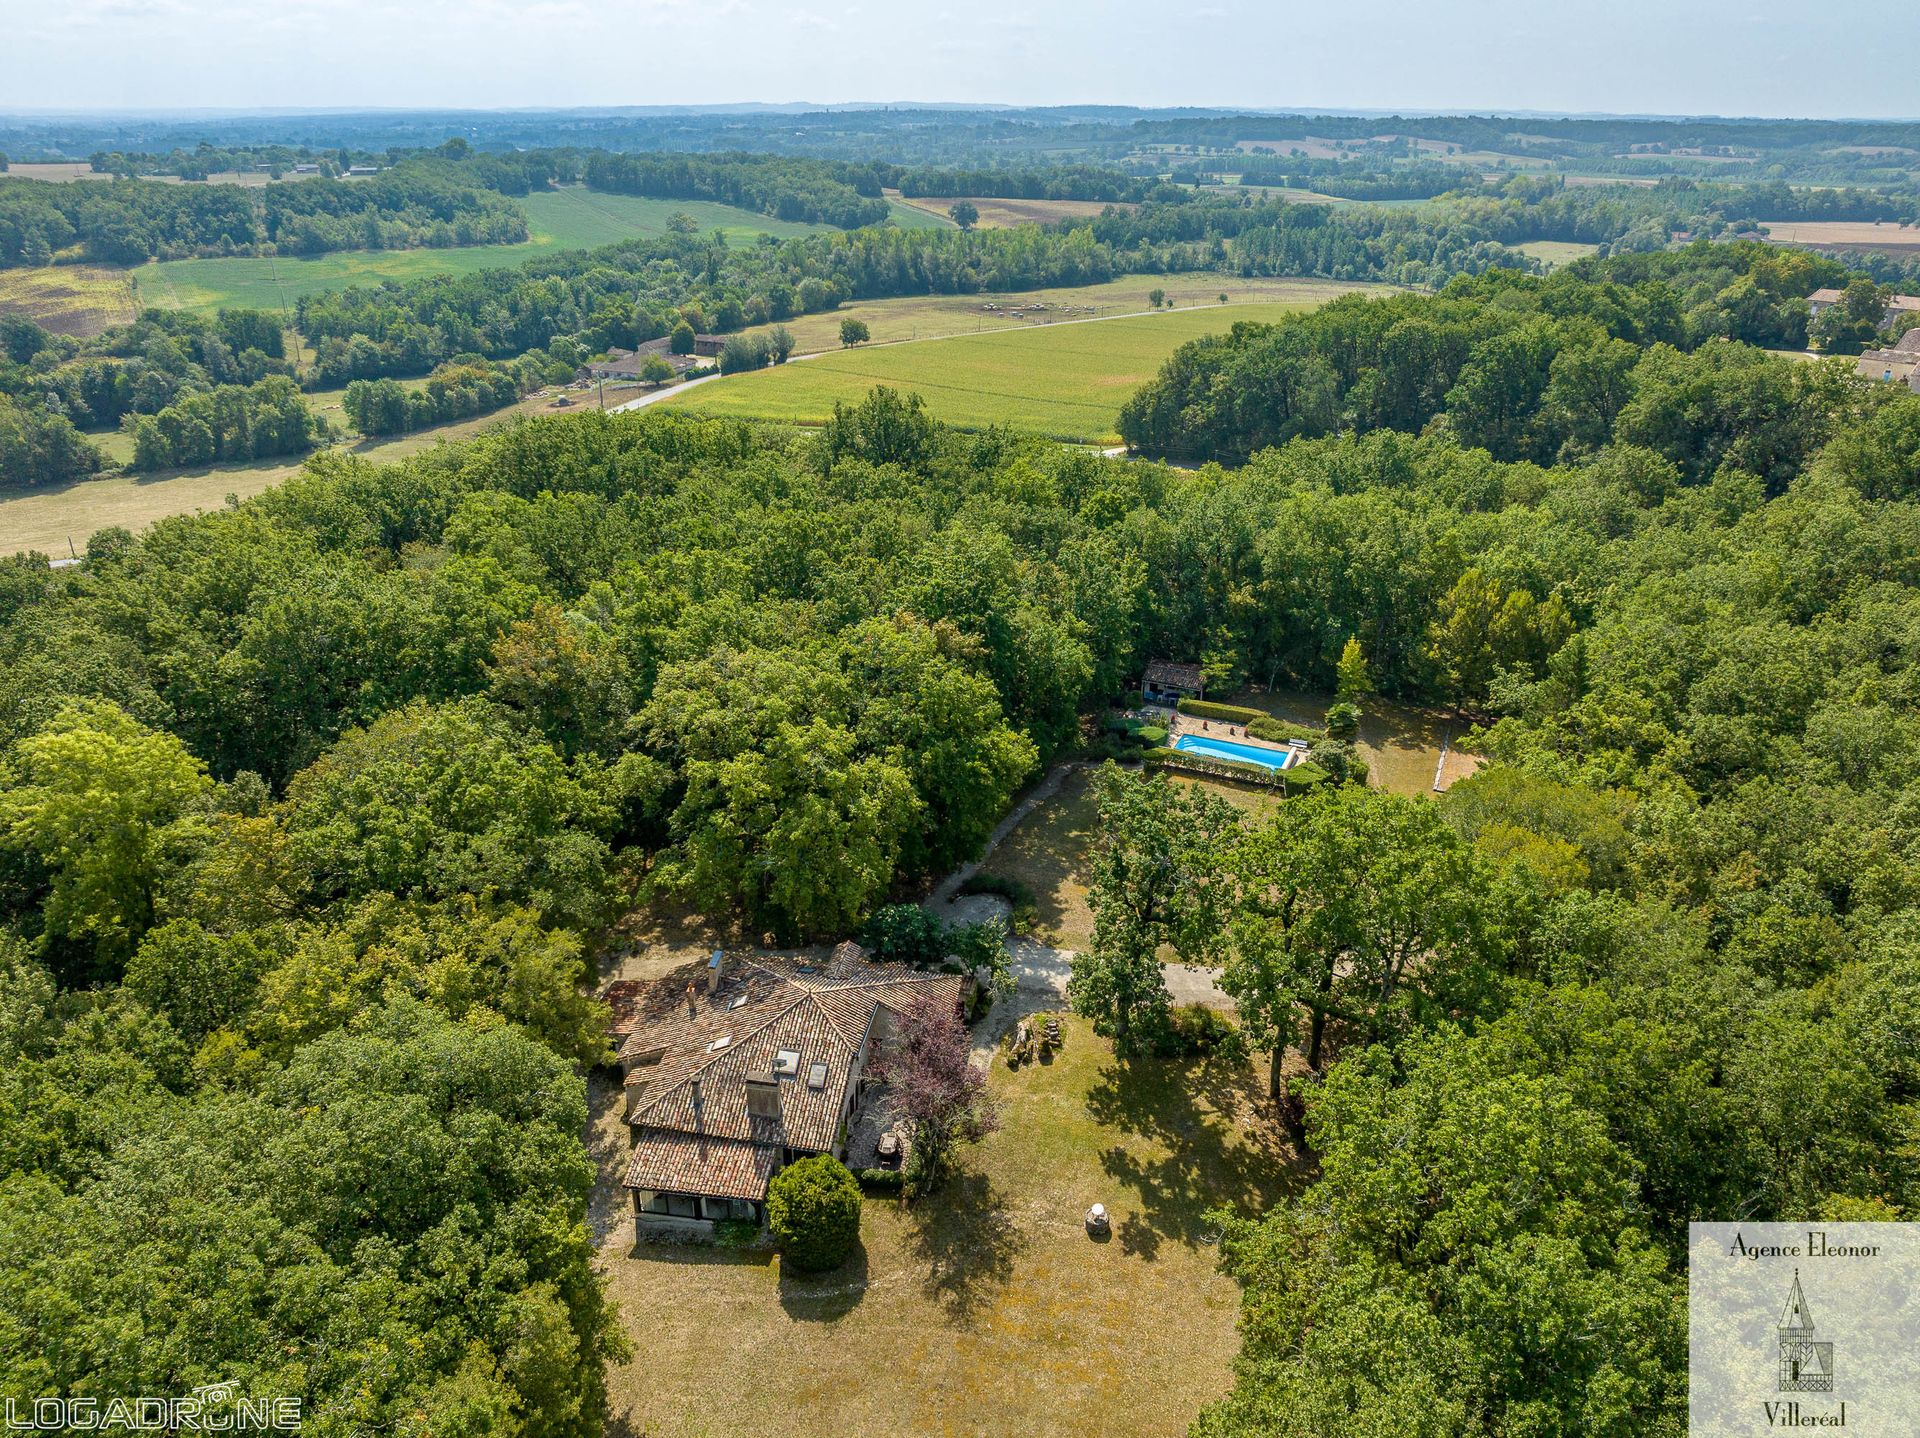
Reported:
(1236, 753)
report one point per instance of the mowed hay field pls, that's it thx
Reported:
(998, 214)
(573, 218)
(1850, 234)
(1065, 381)
(920, 317)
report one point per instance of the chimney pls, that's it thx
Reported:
(699, 1110)
(716, 966)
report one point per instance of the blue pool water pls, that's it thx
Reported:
(1234, 753)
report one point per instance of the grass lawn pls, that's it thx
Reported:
(1066, 381)
(1401, 744)
(567, 219)
(985, 1308)
(1049, 851)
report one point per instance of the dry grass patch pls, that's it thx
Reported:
(1005, 214)
(78, 300)
(985, 1308)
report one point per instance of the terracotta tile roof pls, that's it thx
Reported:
(1824, 296)
(1908, 343)
(687, 1163)
(1173, 676)
(696, 1089)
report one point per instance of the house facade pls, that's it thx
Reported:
(733, 1071)
(1166, 682)
(1822, 300)
(1898, 363)
(628, 364)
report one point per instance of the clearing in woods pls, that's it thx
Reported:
(1554, 253)
(1064, 381)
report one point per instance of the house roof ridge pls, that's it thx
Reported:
(716, 1057)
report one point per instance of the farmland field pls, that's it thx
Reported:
(46, 520)
(1896, 239)
(908, 215)
(569, 219)
(919, 317)
(79, 300)
(1066, 381)
(999, 214)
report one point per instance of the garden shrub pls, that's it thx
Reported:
(736, 1233)
(813, 1210)
(1194, 1030)
(1151, 735)
(1279, 731)
(905, 934)
(1343, 720)
(1227, 713)
(882, 1180)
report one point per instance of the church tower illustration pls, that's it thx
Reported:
(1805, 1366)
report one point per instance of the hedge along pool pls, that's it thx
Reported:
(1236, 753)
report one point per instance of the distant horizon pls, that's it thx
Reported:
(1711, 58)
(807, 107)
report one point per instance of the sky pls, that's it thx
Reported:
(1729, 57)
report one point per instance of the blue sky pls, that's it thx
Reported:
(1760, 57)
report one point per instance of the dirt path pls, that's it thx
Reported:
(941, 900)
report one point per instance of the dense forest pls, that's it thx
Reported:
(389, 747)
(126, 221)
(1674, 363)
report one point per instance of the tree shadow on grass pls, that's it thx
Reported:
(1224, 1142)
(967, 1239)
(825, 1297)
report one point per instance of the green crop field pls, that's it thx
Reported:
(1066, 381)
(570, 219)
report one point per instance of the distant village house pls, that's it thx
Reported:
(1898, 363)
(1822, 300)
(628, 364)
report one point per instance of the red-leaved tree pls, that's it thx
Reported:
(927, 1065)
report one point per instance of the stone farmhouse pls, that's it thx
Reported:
(732, 1073)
